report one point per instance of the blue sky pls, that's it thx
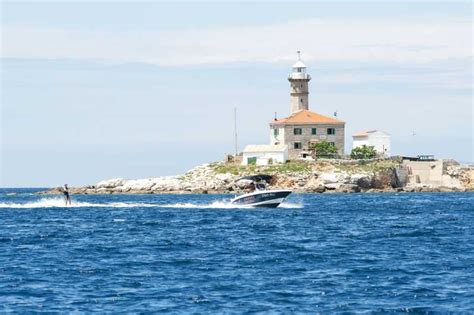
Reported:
(95, 90)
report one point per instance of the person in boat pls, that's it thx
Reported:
(259, 186)
(257, 183)
(67, 198)
(250, 188)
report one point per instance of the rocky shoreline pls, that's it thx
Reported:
(330, 176)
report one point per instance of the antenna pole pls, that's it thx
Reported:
(235, 130)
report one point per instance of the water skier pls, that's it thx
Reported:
(67, 198)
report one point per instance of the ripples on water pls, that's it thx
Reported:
(196, 253)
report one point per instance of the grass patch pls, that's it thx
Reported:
(367, 166)
(237, 169)
(233, 169)
(289, 167)
(304, 167)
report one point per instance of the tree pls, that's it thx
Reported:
(324, 149)
(363, 152)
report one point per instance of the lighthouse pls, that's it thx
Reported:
(299, 80)
(304, 128)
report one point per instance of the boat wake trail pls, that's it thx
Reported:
(289, 205)
(225, 204)
(59, 203)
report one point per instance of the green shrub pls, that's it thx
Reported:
(324, 149)
(364, 152)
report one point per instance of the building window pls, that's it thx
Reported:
(297, 131)
(276, 131)
(313, 131)
(297, 145)
(331, 131)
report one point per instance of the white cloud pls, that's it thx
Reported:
(454, 79)
(320, 39)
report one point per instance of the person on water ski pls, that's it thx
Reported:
(67, 198)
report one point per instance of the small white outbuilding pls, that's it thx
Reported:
(263, 154)
(380, 140)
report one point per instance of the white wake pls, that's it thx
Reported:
(59, 203)
(289, 205)
(220, 205)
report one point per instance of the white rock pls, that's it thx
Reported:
(224, 177)
(102, 190)
(354, 178)
(110, 183)
(453, 170)
(333, 185)
(167, 183)
(329, 178)
(451, 182)
(244, 183)
(139, 184)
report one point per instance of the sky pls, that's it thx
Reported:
(96, 90)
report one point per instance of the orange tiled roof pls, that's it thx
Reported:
(307, 117)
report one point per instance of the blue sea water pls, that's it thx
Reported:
(319, 253)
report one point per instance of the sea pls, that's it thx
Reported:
(198, 254)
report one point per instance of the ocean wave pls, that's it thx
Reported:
(59, 203)
(290, 205)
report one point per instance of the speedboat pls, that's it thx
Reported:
(261, 197)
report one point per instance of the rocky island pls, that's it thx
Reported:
(320, 176)
(286, 160)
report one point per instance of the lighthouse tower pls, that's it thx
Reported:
(299, 86)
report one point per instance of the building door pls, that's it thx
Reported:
(252, 160)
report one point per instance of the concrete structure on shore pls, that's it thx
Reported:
(304, 127)
(264, 154)
(380, 140)
(434, 173)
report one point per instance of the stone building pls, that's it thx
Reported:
(304, 127)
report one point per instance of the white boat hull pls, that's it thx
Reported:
(262, 198)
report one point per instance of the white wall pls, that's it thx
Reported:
(359, 141)
(379, 139)
(381, 142)
(279, 157)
